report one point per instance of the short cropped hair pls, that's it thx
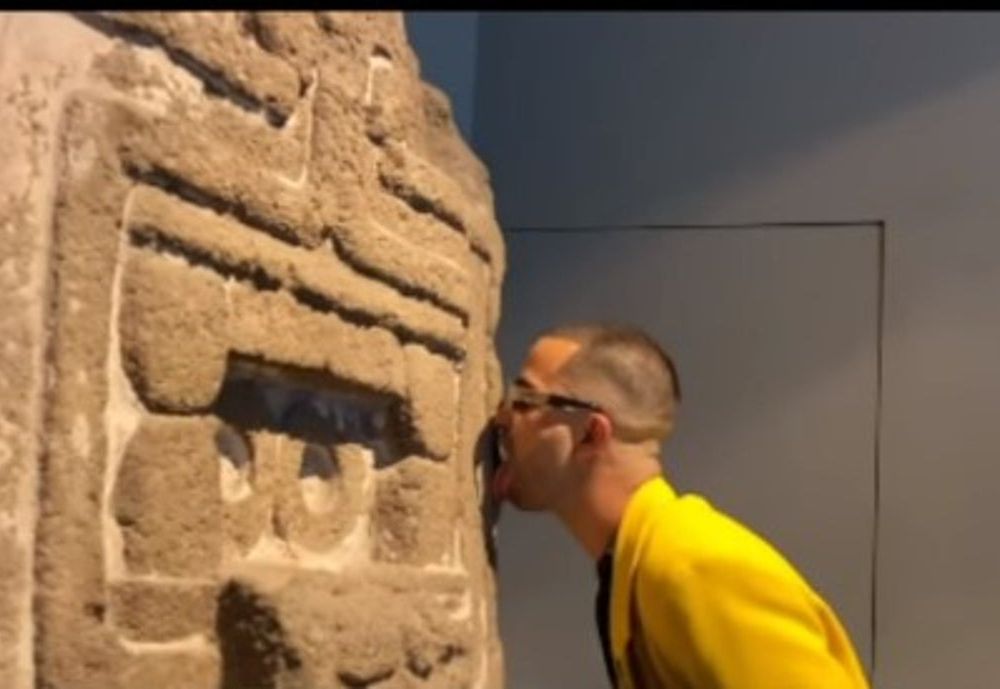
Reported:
(625, 371)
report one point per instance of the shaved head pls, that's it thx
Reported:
(627, 373)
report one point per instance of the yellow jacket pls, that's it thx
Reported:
(698, 601)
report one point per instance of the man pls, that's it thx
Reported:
(695, 599)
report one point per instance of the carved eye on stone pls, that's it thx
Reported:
(317, 477)
(235, 464)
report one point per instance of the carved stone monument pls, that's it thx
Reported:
(250, 277)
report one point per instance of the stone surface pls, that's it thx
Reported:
(148, 611)
(252, 276)
(433, 390)
(365, 629)
(166, 499)
(415, 517)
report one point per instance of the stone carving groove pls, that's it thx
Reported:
(263, 359)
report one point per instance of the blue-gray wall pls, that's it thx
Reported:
(445, 43)
(699, 118)
(606, 119)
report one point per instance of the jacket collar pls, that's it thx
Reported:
(640, 514)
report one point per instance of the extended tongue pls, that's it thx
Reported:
(501, 482)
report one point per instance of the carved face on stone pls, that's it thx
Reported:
(276, 282)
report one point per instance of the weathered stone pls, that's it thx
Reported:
(147, 611)
(387, 254)
(177, 362)
(174, 357)
(369, 357)
(166, 498)
(357, 631)
(415, 513)
(223, 51)
(316, 490)
(433, 395)
(318, 279)
(252, 276)
(198, 669)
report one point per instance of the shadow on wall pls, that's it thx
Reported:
(608, 117)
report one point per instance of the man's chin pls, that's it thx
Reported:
(522, 504)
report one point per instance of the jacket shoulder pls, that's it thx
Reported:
(691, 535)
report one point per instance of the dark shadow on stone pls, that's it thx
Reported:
(487, 459)
(317, 461)
(311, 406)
(251, 642)
(234, 447)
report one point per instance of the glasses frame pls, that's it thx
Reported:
(520, 398)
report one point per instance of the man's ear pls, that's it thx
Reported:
(598, 430)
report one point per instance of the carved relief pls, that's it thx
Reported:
(275, 276)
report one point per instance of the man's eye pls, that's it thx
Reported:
(521, 405)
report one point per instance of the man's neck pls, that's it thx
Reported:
(594, 517)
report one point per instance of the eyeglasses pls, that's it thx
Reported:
(521, 399)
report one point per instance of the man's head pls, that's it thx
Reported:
(583, 392)
(627, 373)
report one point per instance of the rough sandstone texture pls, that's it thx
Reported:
(251, 280)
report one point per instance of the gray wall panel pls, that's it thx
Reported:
(776, 428)
(679, 117)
